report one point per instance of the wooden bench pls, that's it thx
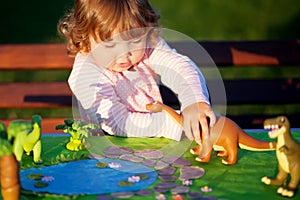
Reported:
(25, 58)
(35, 95)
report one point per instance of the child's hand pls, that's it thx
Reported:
(195, 118)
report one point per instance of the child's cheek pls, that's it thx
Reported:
(103, 57)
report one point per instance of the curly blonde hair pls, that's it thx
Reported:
(100, 18)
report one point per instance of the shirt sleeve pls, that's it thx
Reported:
(180, 74)
(100, 103)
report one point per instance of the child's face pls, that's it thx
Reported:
(118, 54)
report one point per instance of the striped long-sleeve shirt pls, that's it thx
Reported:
(117, 100)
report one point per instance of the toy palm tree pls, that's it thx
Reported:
(79, 130)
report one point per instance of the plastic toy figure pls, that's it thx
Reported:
(78, 130)
(9, 170)
(230, 138)
(26, 136)
(288, 156)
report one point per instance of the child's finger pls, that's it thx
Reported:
(204, 127)
(187, 129)
(195, 126)
(212, 118)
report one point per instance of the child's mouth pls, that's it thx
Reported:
(125, 65)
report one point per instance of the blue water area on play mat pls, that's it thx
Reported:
(84, 177)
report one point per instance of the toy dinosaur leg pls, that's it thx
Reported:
(295, 178)
(291, 188)
(281, 177)
(279, 180)
(205, 158)
(286, 191)
(37, 149)
(18, 150)
(222, 154)
(232, 155)
(196, 150)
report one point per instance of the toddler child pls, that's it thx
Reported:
(118, 58)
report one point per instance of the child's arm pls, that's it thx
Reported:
(184, 78)
(101, 104)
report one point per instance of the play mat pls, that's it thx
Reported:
(144, 168)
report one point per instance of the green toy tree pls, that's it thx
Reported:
(79, 130)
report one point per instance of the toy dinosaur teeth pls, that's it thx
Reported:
(273, 128)
(267, 127)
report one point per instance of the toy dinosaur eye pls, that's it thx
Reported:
(282, 120)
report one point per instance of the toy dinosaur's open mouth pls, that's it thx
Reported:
(273, 129)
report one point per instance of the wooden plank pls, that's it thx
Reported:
(34, 57)
(223, 53)
(35, 95)
(58, 94)
(241, 53)
(279, 91)
(259, 91)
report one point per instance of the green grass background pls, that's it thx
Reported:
(204, 20)
(35, 21)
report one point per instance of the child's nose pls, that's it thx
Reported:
(125, 49)
(125, 53)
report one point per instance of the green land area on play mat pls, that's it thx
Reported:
(235, 182)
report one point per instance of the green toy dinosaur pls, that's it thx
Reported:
(26, 136)
(288, 156)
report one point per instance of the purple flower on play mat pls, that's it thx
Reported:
(161, 197)
(206, 189)
(134, 179)
(187, 182)
(114, 165)
(48, 178)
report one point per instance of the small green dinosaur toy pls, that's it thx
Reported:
(79, 130)
(288, 156)
(26, 136)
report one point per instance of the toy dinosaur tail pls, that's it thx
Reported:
(232, 133)
(250, 143)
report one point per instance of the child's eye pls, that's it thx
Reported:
(109, 44)
(136, 41)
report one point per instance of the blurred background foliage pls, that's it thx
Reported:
(232, 19)
(35, 21)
